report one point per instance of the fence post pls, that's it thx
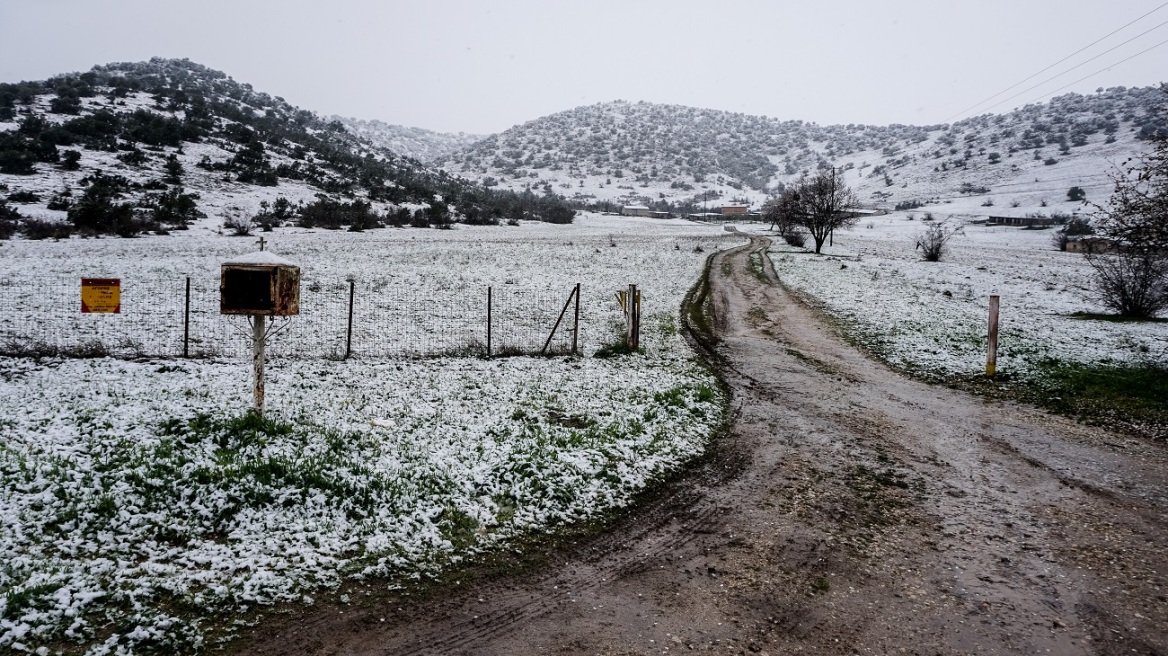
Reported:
(633, 316)
(349, 331)
(488, 321)
(258, 337)
(576, 324)
(187, 322)
(992, 346)
(637, 320)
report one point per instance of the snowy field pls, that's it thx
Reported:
(430, 284)
(141, 507)
(931, 317)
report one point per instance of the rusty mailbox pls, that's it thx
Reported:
(260, 283)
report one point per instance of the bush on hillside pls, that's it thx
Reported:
(96, 212)
(934, 241)
(325, 212)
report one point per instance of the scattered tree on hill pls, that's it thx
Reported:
(70, 160)
(1076, 194)
(8, 220)
(325, 212)
(174, 208)
(174, 169)
(819, 203)
(96, 212)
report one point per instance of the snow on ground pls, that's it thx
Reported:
(140, 506)
(931, 317)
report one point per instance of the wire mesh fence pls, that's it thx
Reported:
(173, 317)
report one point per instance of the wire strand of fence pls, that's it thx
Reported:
(42, 316)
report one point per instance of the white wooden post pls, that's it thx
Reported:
(992, 346)
(257, 355)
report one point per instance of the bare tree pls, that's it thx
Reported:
(934, 241)
(1133, 283)
(1132, 274)
(780, 212)
(819, 203)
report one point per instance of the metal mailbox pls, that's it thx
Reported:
(260, 283)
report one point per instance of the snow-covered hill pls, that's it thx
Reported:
(423, 145)
(648, 153)
(170, 144)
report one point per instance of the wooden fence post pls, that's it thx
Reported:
(187, 322)
(349, 331)
(992, 346)
(633, 316)
(488, 321)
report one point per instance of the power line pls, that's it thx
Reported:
(1109, 66)
(1021, 82)
(1084, 63)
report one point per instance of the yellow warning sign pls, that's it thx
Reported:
(101, 295)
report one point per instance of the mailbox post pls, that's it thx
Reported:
(259, 285)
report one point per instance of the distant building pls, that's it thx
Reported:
(1091, 245)
(1027, 221)
(735, 209)
(636, 210)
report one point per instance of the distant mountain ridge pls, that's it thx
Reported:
(645, 153)
(426, 146)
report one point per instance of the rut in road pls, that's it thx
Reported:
(849, 510)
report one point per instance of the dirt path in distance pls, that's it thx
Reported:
(848, 511)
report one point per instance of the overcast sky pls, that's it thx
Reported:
(482, 67)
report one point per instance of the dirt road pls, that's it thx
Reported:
(848, 511)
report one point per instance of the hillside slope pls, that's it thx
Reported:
(164, 144)
(625, 152)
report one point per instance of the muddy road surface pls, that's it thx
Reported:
(849, 510)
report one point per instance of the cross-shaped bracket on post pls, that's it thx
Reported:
(261, 242)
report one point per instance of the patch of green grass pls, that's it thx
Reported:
(674, 397)
(667, 324)
(758, 266)
(1131, 394)
(757, 314)
(820, 585)
(706, 394)
(1125, 397)
(615, 349)
(34, 597)
(458, 527)
(1115, 318)
(698, 306)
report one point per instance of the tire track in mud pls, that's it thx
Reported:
(848, 510)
